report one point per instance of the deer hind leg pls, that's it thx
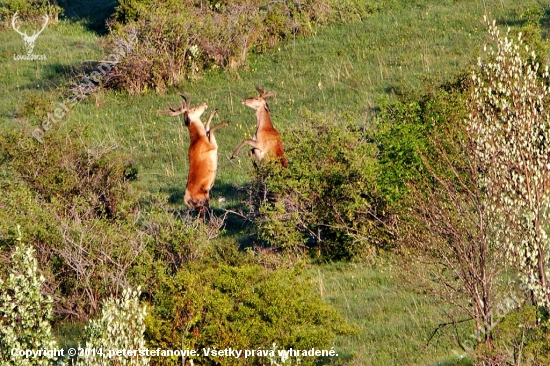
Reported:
(202, 209)
(251, 154)
(200, 205)
(250, 142)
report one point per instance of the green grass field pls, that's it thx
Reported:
(407, 49)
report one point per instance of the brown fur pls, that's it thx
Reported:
(203, 156)
(266, 141)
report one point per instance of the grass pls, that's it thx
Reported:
(29, 86)
(342, 69)
(395, 322)
(406, 49)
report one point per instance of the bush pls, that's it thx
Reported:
(176, 238)
(407, 130)
(76, 207)
(120, 326)
(92, 234)
(246, 307)
(524, 334)
(25, 313)
(511, 128)
(18, 204)
(66, 171)
(178, 40)
(29, 10)
(327, 199)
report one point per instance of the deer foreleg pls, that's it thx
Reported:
(224, 123)
(250, 142)
(209, 133)
(210, 119)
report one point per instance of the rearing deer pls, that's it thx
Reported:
(266, 140)
(203, 154)
(29, 40)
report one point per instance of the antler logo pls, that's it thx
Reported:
(29, 40)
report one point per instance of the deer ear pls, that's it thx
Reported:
(186, 119)
(260, 90)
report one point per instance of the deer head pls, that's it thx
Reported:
(29, 40)
(176, 112)
(190, 113)
(263, 94)
(259, 102)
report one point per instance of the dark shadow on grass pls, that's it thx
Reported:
(93, 14)
(236, 226)
(175, 195)
(341, 359)
(56, 75)
(522, 17)
(454, 362)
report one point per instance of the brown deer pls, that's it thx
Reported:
(203, 154)
(266, 140)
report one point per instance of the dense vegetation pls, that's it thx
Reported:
(32, 9)
(387, 177)
(178, 40)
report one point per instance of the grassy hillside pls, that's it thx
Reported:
(405, 50)
(343, 69)
(396, 320)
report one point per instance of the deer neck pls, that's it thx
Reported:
(263, 119)
(196, 130)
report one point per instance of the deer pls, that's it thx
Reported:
(203, 154)
(266, 141)
(29, 40)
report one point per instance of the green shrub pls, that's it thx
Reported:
(178, 40)
(65, 170)
(245, 307)
(28, 9)
(523, 334)
(25, 313)
(327, 199)
(407, 130)
(121, 326)
(75, 206)
(18, 204)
